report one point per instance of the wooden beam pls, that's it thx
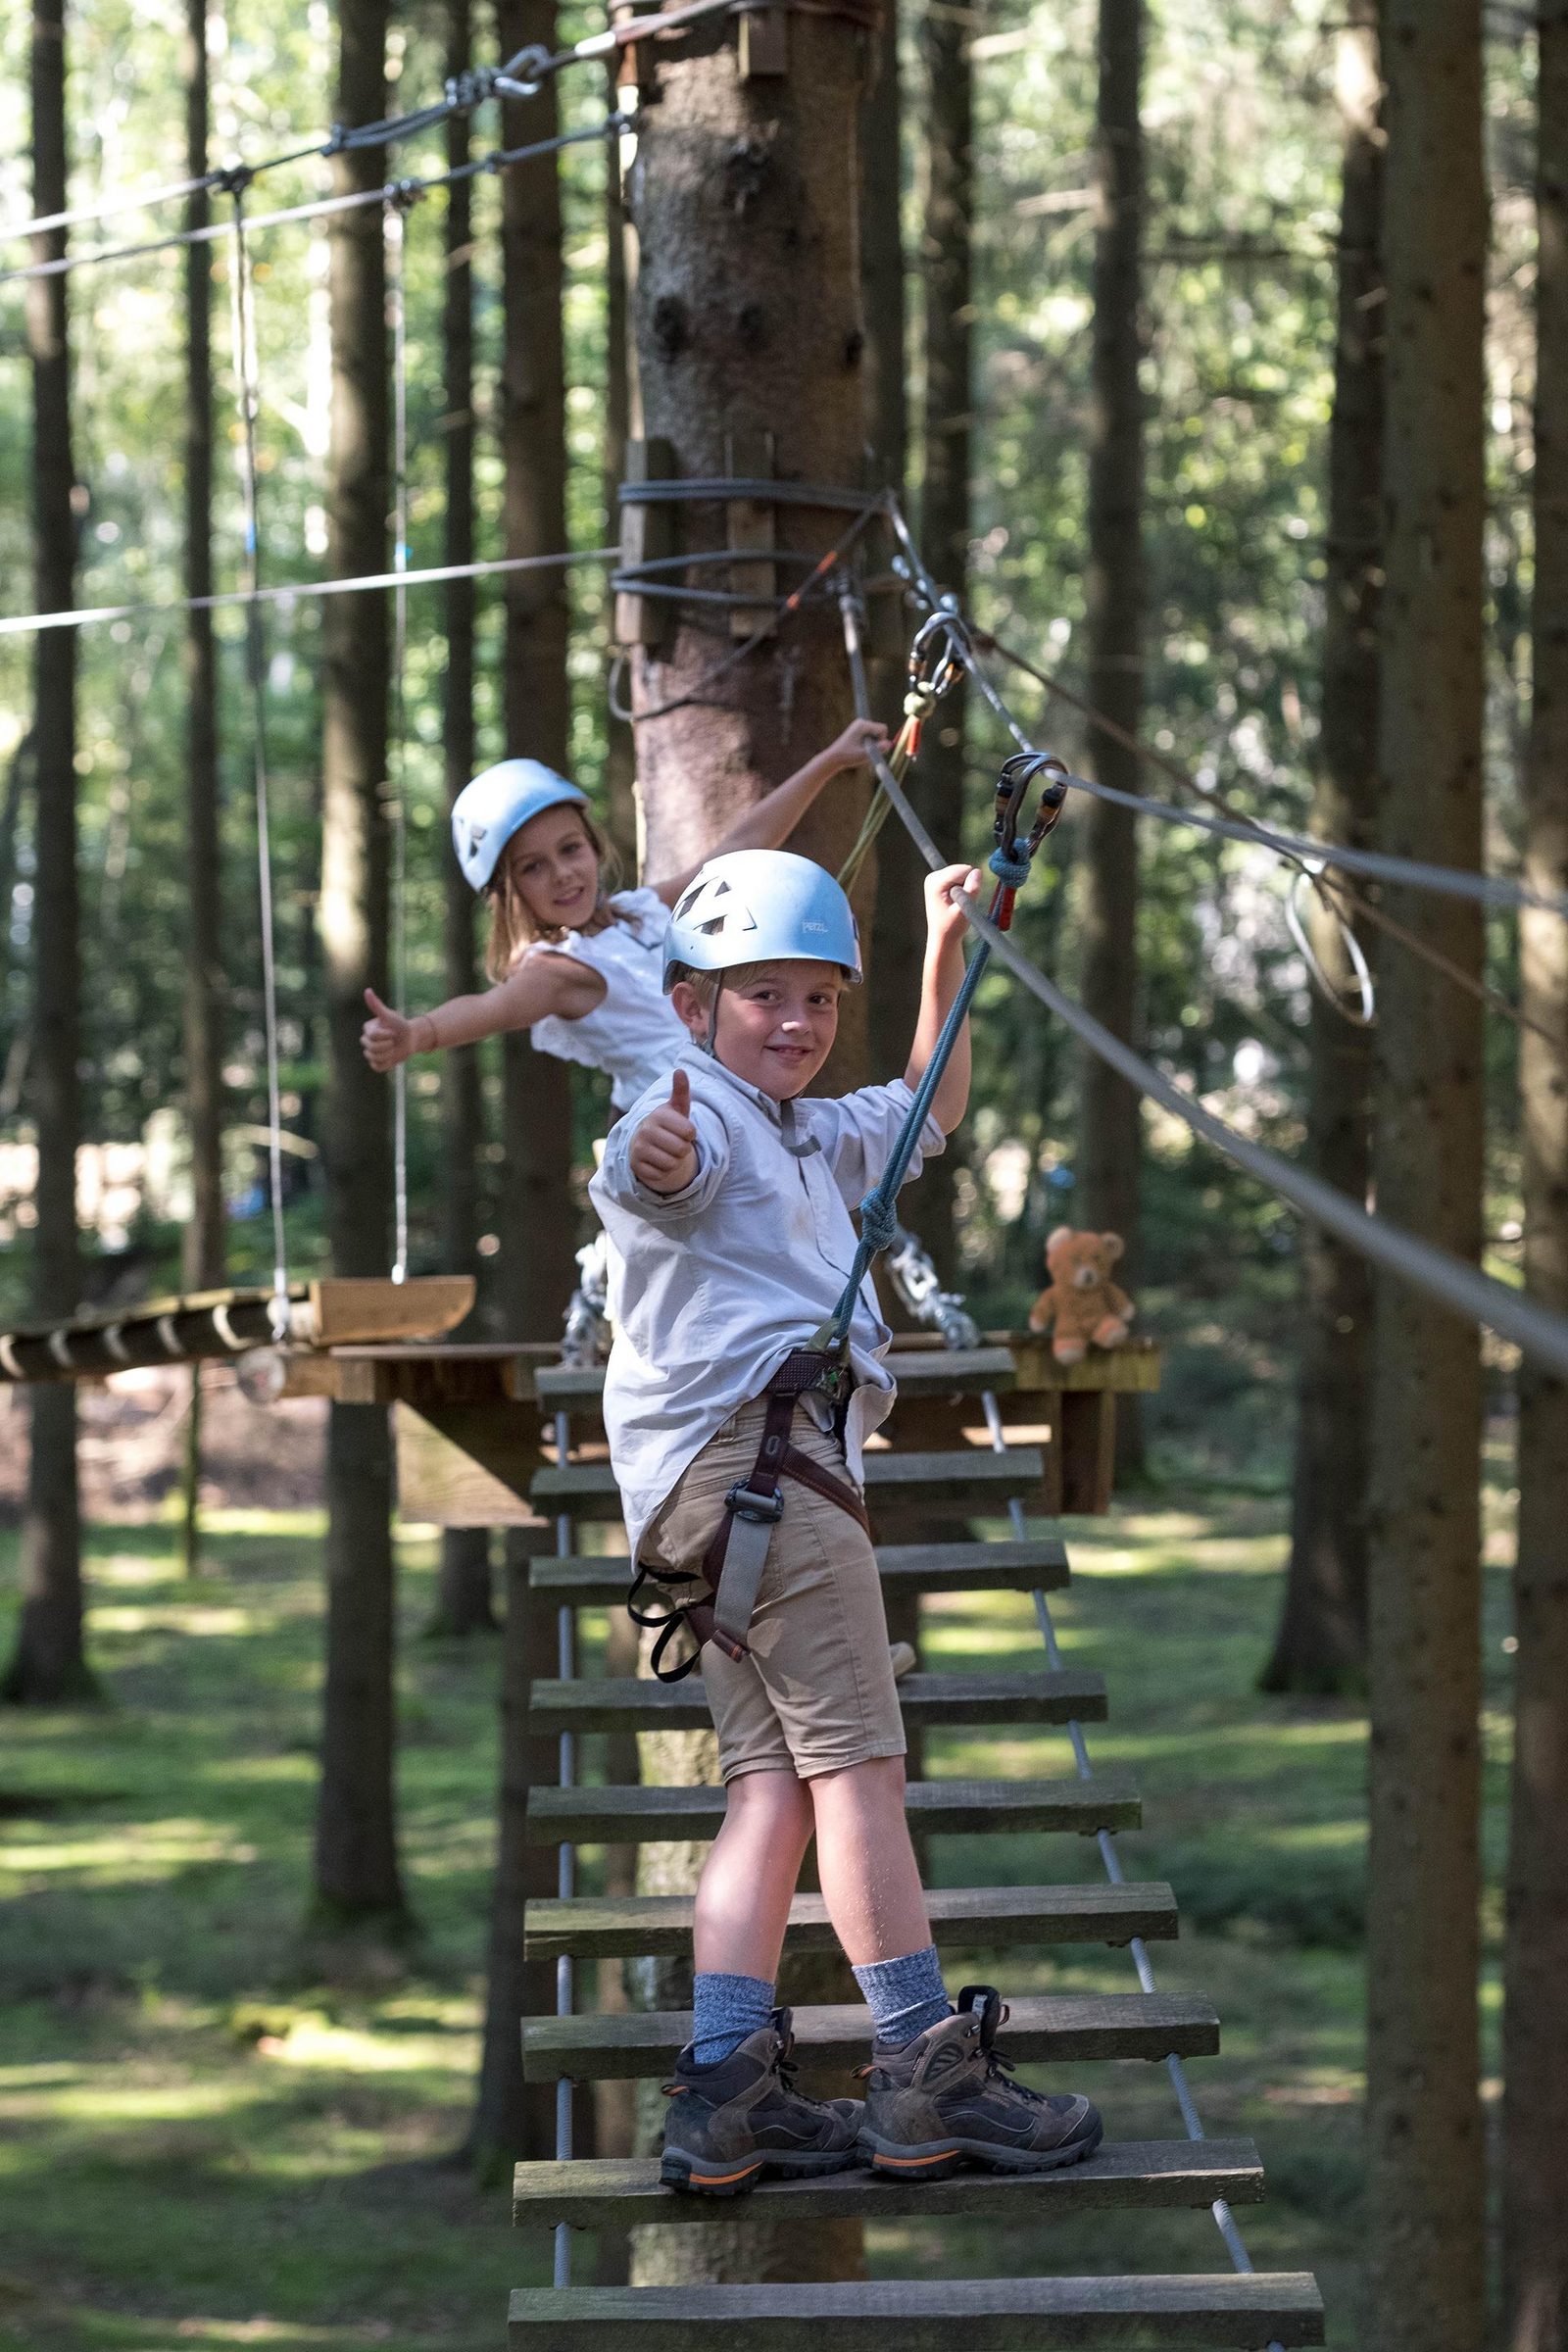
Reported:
(467, 1465)
(765, 56)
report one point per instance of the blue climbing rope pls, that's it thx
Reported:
(1010, 862)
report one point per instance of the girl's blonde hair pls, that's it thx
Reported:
(513, 928)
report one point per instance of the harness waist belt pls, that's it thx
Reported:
(737, 1552)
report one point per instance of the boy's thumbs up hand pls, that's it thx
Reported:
(664, 1149)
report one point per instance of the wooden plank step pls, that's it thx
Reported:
(644, 1816)
(1066, 2028)
(619, 1704)
(918, 1372)
(969, 1474)
(927, 2314)
(597, 1926)
(1032, 1564)
(620, 2191)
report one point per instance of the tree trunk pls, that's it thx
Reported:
(1426, 2255)
(748, 185)
(206, 1235)
(1534, 2110)
(620, 753)
(356, 1876)
(49, 1664)
(463, 1603)
(538, 1227)
(1106, 1197)
(1321, 1645)
(938, 778)
(206, 1240)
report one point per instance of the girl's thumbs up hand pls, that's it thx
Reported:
(664, 1149)
(387, 1038)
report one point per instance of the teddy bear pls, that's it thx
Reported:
(1081, 1300)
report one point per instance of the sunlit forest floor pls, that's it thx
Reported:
(203, 2144)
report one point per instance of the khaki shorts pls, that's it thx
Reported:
(817, 1694)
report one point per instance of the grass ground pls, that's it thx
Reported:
(203, 2145)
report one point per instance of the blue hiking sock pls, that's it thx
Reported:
(724, 2011)
(905, 1996)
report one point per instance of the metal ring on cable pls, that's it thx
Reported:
(1365, 1017)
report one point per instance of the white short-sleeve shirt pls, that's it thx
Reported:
(633, 1033)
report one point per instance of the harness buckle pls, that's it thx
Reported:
(758, 1510)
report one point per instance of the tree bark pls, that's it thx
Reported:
(464, 1604)
(1426, 2254)
(1534, 2108)
(49, 1664)
(747, 324)
(536, 1250)
(206, 1235)
(1110, 1146)
(1321, 1645)
(620, 402)
(938, 779)
(357, 1875)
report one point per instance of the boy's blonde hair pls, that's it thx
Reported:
(704, 985)
(513, 928)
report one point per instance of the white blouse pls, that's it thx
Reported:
(633, 1033)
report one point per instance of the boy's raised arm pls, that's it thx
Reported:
(938, 986)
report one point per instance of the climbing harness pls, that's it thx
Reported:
(731, 1570)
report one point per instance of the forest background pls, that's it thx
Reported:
(1242, 211)
(1244, 158)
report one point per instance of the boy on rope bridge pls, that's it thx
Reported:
(736, 1439)
(575, 960)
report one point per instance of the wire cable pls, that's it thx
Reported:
(357, 583)
(242, 321)
(499, 159)
(1538, 1332)
(463, 94)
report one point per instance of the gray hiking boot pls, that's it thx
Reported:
(948, 2096)
(729, 2124)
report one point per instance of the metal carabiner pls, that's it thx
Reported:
(1012, 790)
(945, 667)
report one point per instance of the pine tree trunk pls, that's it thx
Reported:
(620, 753)
(536, 1249)
(937, 780)
(49, 1664)
(356, 1876)
(1534, 2110)
(1426, 2253)
(1321, 1645)
(1106, 1197)
(743, 184)
(463, 1603)
(206, 1235)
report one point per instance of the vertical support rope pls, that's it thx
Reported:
(567, 1869)
(397, 760)
(242, 321)
(1224, 2219)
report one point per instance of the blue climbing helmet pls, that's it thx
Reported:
(760, 907)
(498, 802)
